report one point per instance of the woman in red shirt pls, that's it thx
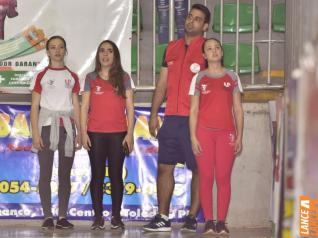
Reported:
(216, 128)
(107, 117)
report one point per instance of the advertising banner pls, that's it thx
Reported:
(19, 174)
(26, 25)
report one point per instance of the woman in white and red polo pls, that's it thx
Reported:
(54, 116)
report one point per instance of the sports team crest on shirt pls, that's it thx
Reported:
(98, 90)
(227, 84)
(204, 89)
(68, 83)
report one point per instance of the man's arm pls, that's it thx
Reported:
(157, 99)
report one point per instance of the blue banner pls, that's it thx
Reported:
(19, 174)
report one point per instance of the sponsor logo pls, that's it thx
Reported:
(51, 82)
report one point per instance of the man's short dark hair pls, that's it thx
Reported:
(203, 9)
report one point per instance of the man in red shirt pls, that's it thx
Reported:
(182, 60)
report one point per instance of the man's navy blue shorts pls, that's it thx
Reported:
(174, 142)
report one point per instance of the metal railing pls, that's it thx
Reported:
(253, 85)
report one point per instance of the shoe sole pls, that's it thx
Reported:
(98, 228)
(210, 232)
(162, 229)
(117, 227)
(223, 233)
(47, 228)
(188, 230)
(63, 227)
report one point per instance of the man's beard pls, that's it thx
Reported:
(192, 33)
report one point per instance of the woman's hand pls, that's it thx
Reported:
(196, 147)
(129, 141)
(78, 142)
(37, 142)
(86, 142)
(237, 146)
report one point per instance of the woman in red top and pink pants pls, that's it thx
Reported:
(216, 128)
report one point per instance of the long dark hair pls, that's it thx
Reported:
(116, 72)
(219, 42)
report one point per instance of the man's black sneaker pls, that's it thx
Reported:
(158, 224)
(221, 228)
(209, 227)
(190, 224)
(63, 223)
(98, 224)
(48, 224)
(116, 223)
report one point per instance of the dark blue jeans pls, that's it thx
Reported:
(181, 11)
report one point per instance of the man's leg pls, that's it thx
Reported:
(195, 195)
(165, 187)
(190, 223)
(167, 158)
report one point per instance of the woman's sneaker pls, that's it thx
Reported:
(221, 228)
(190, 224)
(48, 224)
(158, 224)
(98, 224)
(209, 227)
(116, 223)
(63, 223)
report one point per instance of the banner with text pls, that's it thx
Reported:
(19, 174)
(26, 25)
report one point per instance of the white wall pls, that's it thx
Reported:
(252, 173)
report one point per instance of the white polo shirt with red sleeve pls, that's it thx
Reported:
(216, 98)
(56, 86)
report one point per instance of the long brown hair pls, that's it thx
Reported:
(116, 72)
